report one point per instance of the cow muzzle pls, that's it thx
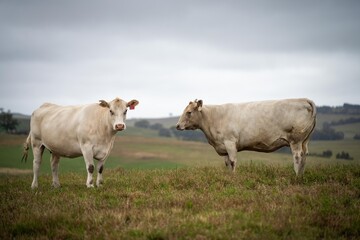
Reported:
(180, 128)
(119, 127)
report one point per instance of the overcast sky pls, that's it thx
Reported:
(166, 53)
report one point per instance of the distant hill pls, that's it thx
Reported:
(20, 116)
(345, 109)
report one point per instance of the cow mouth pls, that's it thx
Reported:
(119, 127)
(180, 128)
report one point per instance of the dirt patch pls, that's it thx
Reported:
(14, 171)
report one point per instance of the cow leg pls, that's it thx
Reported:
(38, 150)
(299, 158)
(89, 162)
(231, 150)
(55, 168)
(90, 170)
(100, 168)
(305, 147)
(227, 161)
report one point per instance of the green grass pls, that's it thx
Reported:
(137, 152)
(259, 202)
(159, 188)
(350, 146)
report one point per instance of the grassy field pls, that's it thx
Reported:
(257, 202)
(132, 151)
(159, 188)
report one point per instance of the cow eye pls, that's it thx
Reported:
(112, 113)
(188, 114)
(125, 112)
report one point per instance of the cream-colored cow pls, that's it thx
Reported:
(256, 126)
(73, 131)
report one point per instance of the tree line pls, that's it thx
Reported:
(345, 121)
(7, 122)
(327, 133)
(329, 153)
(345, 109)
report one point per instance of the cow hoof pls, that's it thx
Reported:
(90, 185)
(99, 183)
(56, 185)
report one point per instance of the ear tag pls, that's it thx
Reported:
(132, 107)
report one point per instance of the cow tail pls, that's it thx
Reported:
(311, 126)
(313, 106)
(26, 148)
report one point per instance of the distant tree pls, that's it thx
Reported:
(142, 124)
(156, 126)
(357, 137)
(196, 135)
(345, 121)
(164, 132)
(327, 153)
(7, 122)
(327, 133)
(345, 109)
(344, 155)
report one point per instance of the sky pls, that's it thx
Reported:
(166, 53)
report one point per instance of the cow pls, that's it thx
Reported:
(263, 126)
(73, 131)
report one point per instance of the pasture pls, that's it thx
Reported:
(159, 188)
(142, 149)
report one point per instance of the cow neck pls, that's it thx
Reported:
(206, 119)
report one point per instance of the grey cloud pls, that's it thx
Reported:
(221, 51)
(243, 25)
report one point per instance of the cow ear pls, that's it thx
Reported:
(132, 104)
(199, 105)
(104, 103)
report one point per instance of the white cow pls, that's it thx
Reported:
(73, 131)
(256, 126)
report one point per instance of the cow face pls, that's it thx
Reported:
(117, 110)
(191, 116)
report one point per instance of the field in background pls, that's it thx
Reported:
(132, 151)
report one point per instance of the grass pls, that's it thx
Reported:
(159, 188)
(257, 202)
(139, 152)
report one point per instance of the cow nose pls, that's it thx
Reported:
(178, 127)
(119, 126)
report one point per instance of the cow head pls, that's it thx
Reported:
(191, 116)
(117, 110)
